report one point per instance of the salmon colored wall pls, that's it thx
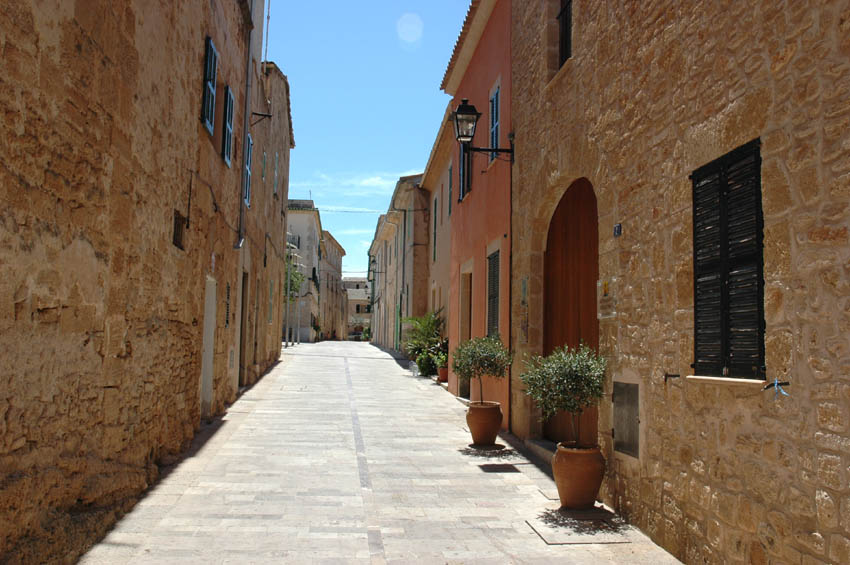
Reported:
(484, 214)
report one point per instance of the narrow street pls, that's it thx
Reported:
(340, 455)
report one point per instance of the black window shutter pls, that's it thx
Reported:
(728, 266)
(493, 294)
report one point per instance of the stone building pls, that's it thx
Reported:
(305, 227)
(359, 312)
(140, 248)
(699, 184)
(438, 180)
(398, 252)
(480, 71)
(332, 297)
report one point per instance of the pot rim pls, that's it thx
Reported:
(484, 404)
(571, 447)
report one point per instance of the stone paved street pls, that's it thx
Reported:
(339, 455)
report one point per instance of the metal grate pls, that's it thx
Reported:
(627, 418)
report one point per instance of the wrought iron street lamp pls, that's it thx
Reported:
(465, 118)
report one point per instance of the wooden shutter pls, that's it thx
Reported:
(493, 294)
(210, 69)
(728, 266)
(745, 282)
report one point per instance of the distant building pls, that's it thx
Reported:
(305, 229)
(332, 298)
(359, 311)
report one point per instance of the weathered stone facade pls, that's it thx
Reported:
(653, 90)
(102, 156)
(305, 225)
(333, 319)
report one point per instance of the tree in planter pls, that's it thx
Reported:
(570, 380)
(473, 359)
(567, 380)
(423, 335)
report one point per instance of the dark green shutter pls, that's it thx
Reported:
(728, 266)
(493, 294)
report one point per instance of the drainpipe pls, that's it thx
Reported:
(240, 240)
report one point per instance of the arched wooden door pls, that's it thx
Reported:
(571, 270)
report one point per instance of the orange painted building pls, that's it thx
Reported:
(479, 297)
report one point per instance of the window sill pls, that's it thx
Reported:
(726, 381)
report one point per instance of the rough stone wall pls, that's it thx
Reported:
(654, 90)
(101, 318)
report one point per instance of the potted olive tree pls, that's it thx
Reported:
(472, 360)
(570, 380)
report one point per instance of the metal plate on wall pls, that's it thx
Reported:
(627, 418)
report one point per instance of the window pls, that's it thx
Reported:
(263, 173)
(177, 234)
(271, 299)
(208, 102)
(493, 294)
(357, 308)
(247, 191)
(434, 246)
(227, 306)
(494, 122)
(450, 190)
(462, 173)
(274, 185)
(565, 32)
(227, 137)
(728, 266)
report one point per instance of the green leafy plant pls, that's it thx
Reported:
(295, 279)
(426, 363)
(367, 333)
(481, 356)
(568, 379)
(423, 334)
(441, 359)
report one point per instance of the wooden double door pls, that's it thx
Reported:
(571, 270)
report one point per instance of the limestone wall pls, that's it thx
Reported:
(101, 316)
(654, 90)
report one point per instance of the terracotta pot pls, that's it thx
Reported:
(484, 420)
(578, 475)
(442, 374)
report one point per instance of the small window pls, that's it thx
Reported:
(227, 137)
(179, 226)
(208, 102)
(493, 294)
(494, 122)
(357, 308)
(227, 306)
(274, 185)
(728, 266)
(450, 189)
(247, 192)
(434, 245)
(565, 32)
(263, 173)
(271, 299)
(463, 172)
(626, 418)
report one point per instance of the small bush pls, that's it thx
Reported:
(427, 365)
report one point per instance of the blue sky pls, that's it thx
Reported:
(366, 102)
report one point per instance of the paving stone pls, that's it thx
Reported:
(339, 455)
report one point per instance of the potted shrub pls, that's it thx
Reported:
(472, 360)
(570, 380)
(423, 335)
(442, 360)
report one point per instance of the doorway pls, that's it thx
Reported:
(208, 349)
(571, 266)
(243, 330)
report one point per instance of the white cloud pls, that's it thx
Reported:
(351, 184)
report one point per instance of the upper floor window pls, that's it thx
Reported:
(227, 137)
(464, 158)
(494, 122)
(565, 32)
(434, 243)
(208, 103)
(450, 190)
(728, 266)
(274, 184)
(249, 152)
(493, 293)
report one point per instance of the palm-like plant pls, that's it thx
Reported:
(423, 337)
